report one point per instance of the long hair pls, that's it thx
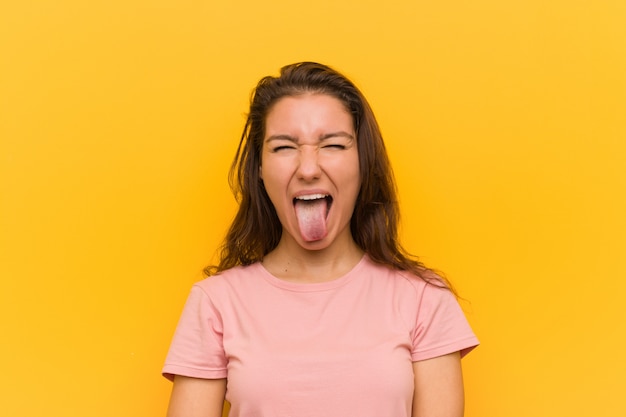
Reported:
(256, 229)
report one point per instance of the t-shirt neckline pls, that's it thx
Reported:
(316, 286)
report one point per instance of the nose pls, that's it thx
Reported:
(308, 164)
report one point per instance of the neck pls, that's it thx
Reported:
(291, 262)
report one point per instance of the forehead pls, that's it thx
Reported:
(308, 112)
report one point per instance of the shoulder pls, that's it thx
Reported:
(385, 275)
(229, 283)
(397, 289)
(426, 288)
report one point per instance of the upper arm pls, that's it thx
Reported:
(438, 387)
(195, 397)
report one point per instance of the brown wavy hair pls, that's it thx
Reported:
(256, 229)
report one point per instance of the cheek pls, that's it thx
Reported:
(274, 184)
(351, 173)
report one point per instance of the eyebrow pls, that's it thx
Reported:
(324, 137)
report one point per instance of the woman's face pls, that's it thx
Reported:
(310, 168)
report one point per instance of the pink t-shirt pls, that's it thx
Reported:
(339, 348)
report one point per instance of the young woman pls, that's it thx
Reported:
(315, 309)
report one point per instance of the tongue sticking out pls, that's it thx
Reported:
(311, 216)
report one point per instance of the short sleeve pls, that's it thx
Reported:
(197, 349)
(441, 327)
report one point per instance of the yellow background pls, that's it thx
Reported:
(505, 121)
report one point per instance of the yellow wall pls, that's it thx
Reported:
(505, 121)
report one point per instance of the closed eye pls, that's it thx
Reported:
(282, 148)
(335, 146)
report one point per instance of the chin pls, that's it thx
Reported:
(315, 245)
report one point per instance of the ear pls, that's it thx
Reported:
(260, 173)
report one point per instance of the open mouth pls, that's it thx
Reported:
(315, 199)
